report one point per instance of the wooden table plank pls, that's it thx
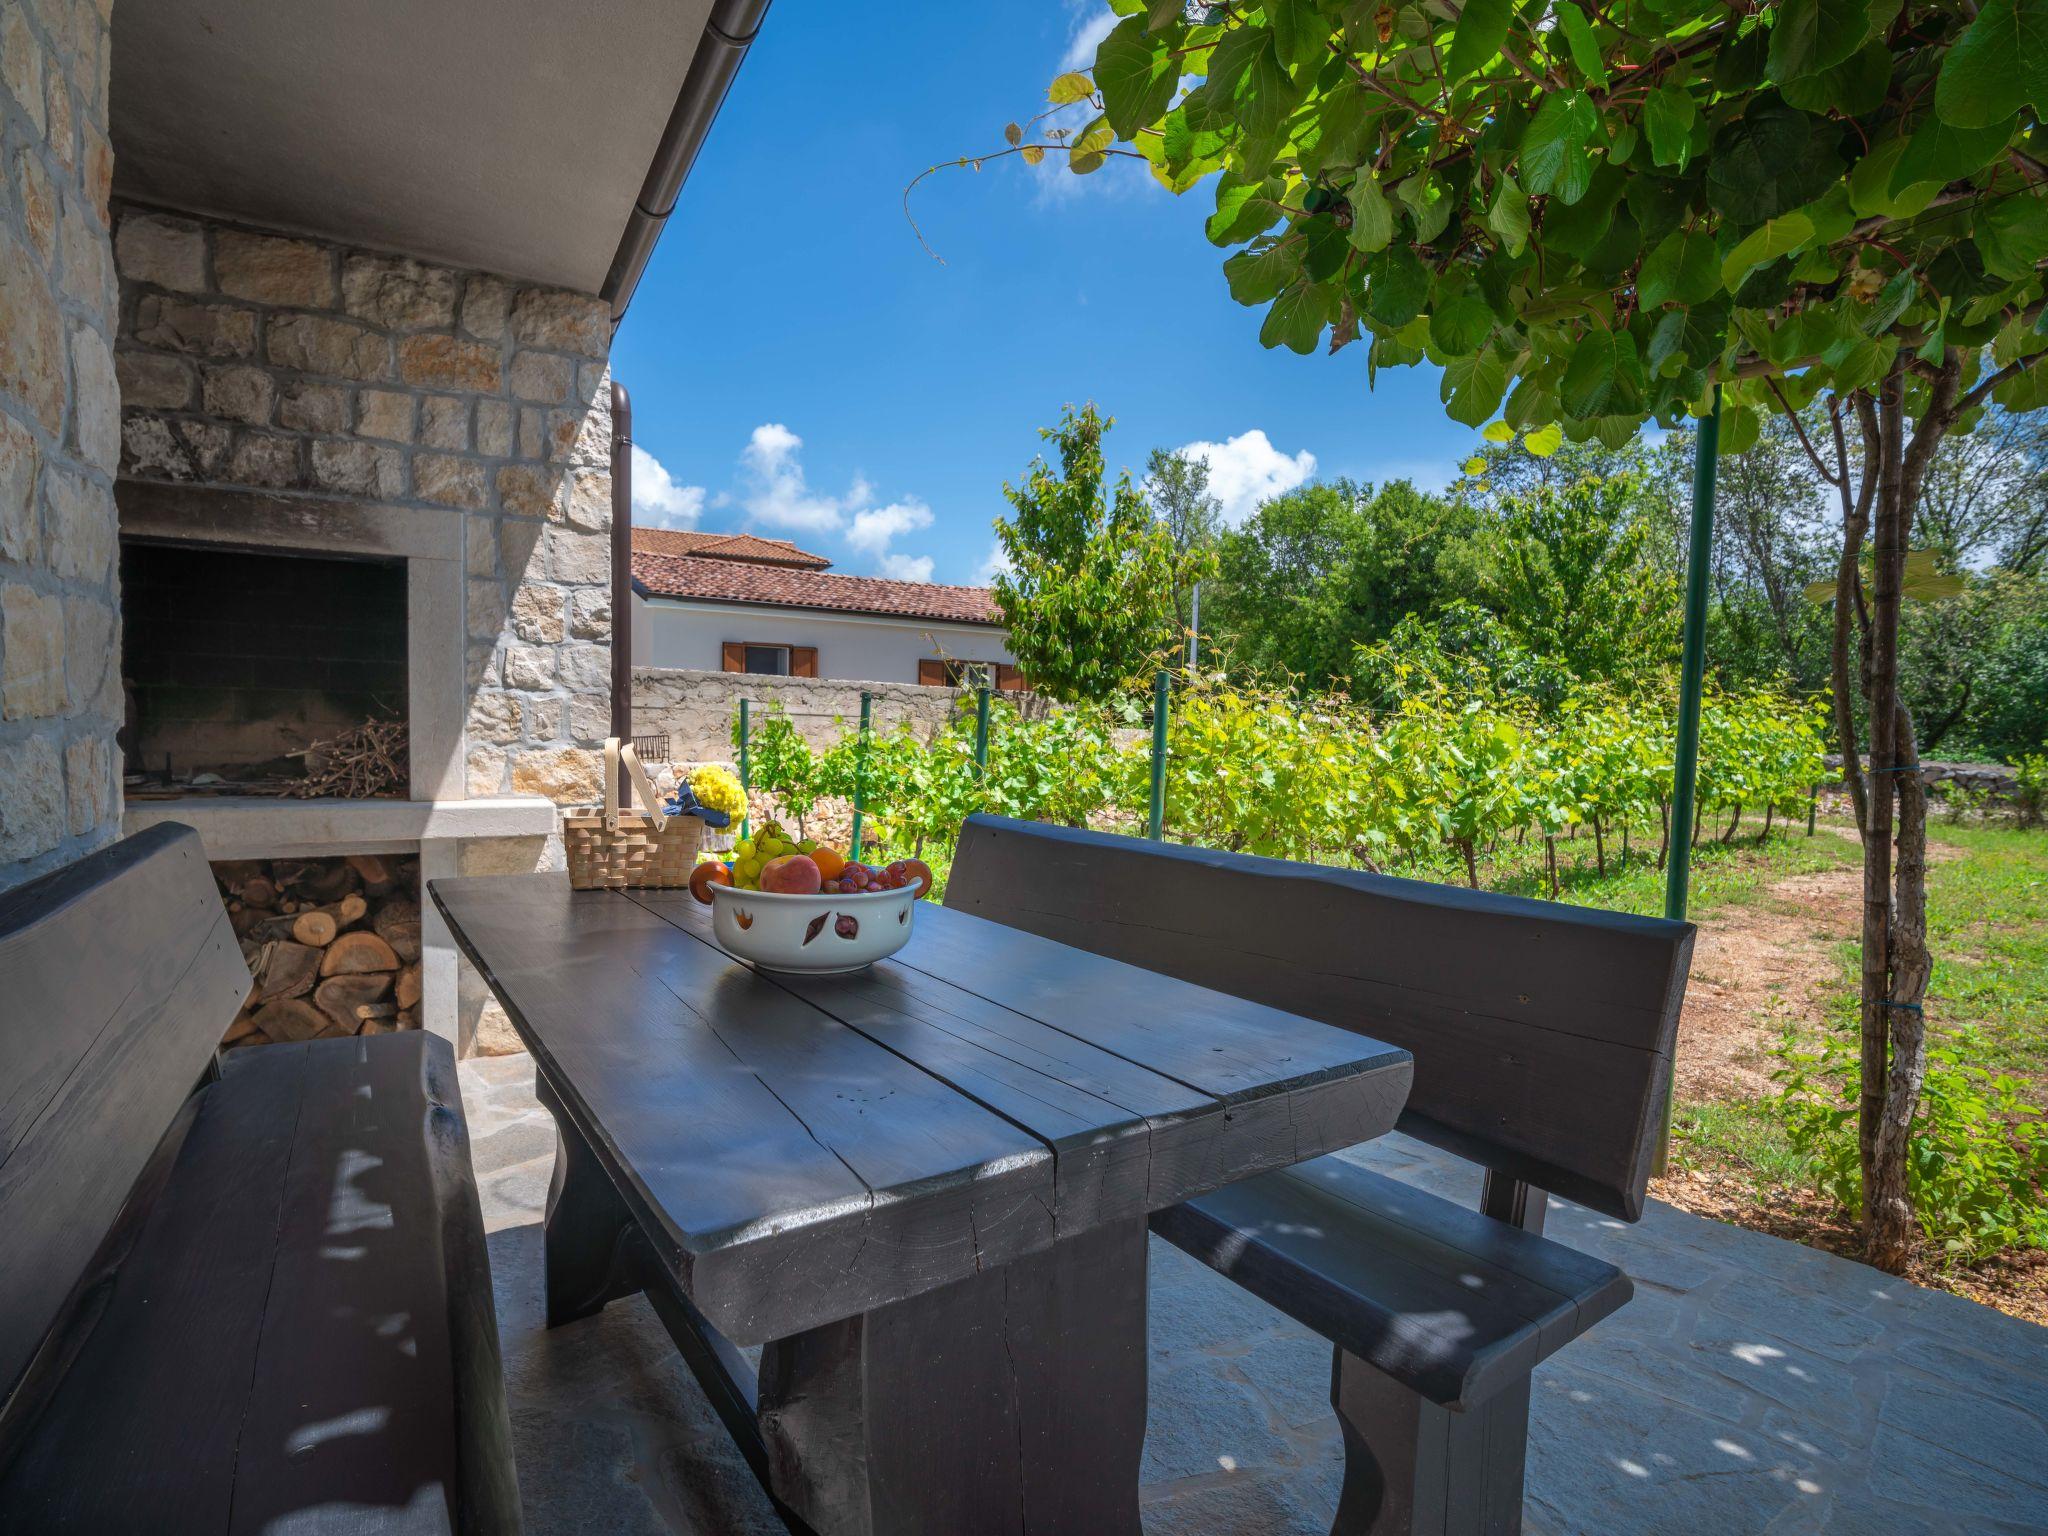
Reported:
(798, 1171)
(1293, 1088)
(1117, 1130)
(1130, 1138)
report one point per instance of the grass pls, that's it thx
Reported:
(1987, 905)
(1987, 919)
(1723, 874)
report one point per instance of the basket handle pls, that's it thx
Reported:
(621, 766)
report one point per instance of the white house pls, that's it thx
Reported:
(738, 603)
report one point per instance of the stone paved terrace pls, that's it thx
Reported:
(1752, 1385)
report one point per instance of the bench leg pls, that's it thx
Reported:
(1008, 1404)
(1413, 1468)
(587, 1259)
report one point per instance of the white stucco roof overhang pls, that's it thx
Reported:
(510, 135)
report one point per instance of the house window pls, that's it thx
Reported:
(768, 660)
(944, 672)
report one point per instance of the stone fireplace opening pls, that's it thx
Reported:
(236, 661)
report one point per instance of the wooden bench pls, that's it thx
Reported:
(250, 1296)
(1542, 1037)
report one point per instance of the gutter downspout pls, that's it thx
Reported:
(622, 571)
(728, 33)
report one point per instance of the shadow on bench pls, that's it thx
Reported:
(263, 1304)
(1542, 1037)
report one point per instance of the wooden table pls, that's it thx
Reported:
(922, 1188)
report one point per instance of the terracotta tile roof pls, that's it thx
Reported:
(725, 546)
(739, 581)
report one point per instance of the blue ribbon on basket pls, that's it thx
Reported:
(684, 802)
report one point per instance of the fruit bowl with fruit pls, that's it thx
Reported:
(795, 905)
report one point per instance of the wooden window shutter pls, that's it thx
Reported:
(733, 656)
(1009, 678)
(932, 674)
(803, 661)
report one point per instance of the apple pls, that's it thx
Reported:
(791, 874)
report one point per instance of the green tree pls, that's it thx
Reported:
(1587, 222)
(1088, 597)
(1572, 574)
(1177, 487)
(1327, 567)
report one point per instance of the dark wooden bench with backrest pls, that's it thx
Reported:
(1542, 1037)
(240, 1296)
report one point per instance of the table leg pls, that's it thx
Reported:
(1008, 1404)
(587, 1262)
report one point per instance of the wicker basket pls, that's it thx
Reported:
(609, 848)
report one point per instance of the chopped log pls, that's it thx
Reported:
(397, 923)
(289, 873)
(355, 952)
(289, 970)
(233, 874)
(378, 874)
(289, 905)
(340, 996)
(375, 1027)
(409, 986)
(408, 1018)
(351, 909)
(334, 1031)
(315, 927)
(247, 921)
(365, 1011)
(327, 881)
(291, 1019)
(271, 928)
(243, 1027)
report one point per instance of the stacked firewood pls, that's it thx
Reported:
(333, 945)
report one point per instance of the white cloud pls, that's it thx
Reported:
(658, 501)
(776, 493)
(1091, 26)
(1248, 469)
(874, 527)
(997, 564)
(907, 567)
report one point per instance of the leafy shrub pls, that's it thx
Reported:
(1977, 1159)
(2030, 790)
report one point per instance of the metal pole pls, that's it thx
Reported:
(1195, 629)
(860, 774)
(981, 733)
(1155, 828)
(1692, 671)
(746, 783)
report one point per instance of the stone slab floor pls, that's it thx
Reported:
(1752, 1385)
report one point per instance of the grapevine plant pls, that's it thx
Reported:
(1591, 215)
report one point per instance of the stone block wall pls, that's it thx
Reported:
(258, 360)
(697, 708)
(60, 688)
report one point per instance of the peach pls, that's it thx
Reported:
(793, 874)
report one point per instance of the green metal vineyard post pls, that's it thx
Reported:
(746, 783)
(981, 733)
(1692, 669)
(1812, 807)
(1156, 827)
(860, 773)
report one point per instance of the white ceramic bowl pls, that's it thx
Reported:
(810, 933)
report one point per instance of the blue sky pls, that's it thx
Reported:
(801, 368)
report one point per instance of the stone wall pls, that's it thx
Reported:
(697, 709)
(60, 693)
(252, 359)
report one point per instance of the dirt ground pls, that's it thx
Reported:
(1758, 969)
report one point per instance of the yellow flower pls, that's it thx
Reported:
(715, 787)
